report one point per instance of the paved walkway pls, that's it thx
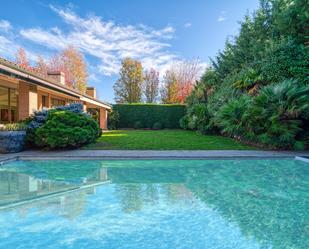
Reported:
(97, 154)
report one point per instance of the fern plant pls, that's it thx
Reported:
(277, 113)
(231, 117)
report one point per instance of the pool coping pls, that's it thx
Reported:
(150, 154)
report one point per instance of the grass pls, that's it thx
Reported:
(163, 140)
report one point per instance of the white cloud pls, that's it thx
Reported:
(222, 16)
(8, 48)
(188, 25)
(5, 25)
(106, 40)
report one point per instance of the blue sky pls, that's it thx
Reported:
(155, 32)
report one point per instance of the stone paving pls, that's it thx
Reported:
(179, 154)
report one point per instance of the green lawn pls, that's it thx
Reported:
(163, 140)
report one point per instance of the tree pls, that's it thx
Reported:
(22, 58)
(71, 62)
(41, 66)
(74, 63)
(151, 85)
(179, 81)
(186, 72)
(128, 88)
(169, 88)
(264, 66)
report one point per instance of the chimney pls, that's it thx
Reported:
(90, 91)
(57, 76)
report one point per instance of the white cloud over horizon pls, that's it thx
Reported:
(105, 41)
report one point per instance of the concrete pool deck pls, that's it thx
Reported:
(150, 154)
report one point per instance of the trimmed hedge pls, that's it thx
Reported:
(146, 115)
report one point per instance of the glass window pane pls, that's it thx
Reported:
(4, 104)
(13, 97)
(4, 96)
(57, 102)
(8, 105)
(13, 104)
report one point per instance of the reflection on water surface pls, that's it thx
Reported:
(155, 204)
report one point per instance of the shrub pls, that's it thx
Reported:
(66, 129)
(13, 127)
(285, 59)
(148, 114)
(138, 125)
(39, 118)
(197, 118)
(157, 126)
(113, 120)
(247, 78)
(299, 145)
(277, 114)
(222, 95)
(231, 117)
(184, 122)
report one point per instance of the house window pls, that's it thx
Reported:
(57, 102)
(8, 105)
(44, 101)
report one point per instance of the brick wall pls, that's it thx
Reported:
(91, 91)
(27, 99)
(103, 118)
(23, 97)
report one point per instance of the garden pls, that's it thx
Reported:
(57, 128)
(255, 92)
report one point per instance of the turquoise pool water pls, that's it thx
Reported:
(155, 204)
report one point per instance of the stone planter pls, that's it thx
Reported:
(12, 141)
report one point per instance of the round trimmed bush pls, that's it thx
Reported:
(66, 129)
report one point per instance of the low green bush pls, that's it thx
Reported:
(39, 118)
(275, 117)
(231, 117)
(148, 114)
(113, 120)
(197, 118)
(64, 129)
(277, 114)
(184, 122)
(138, 125)
(157, 126)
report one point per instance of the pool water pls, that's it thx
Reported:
(154, 204)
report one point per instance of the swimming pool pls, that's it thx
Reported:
(154, 204)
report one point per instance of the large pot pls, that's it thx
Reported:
(12, 141)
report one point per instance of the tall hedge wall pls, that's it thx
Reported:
(149, 114)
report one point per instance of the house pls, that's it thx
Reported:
(23, 91)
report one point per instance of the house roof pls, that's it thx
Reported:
(13, 70)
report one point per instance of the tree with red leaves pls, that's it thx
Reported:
(22, 59)
(71, 62)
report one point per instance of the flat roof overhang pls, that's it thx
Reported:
(11, 72)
